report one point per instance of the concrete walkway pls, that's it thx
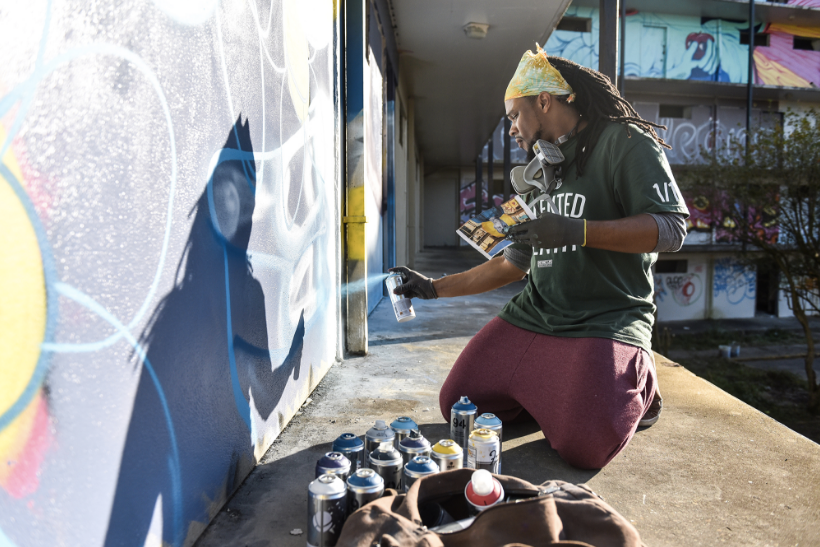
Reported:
(712, 470)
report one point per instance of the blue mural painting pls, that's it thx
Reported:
(169, 211)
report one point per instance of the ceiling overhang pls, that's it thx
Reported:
(457, 82)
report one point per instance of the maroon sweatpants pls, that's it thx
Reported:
(587, 394)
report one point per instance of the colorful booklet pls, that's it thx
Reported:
(486, 231)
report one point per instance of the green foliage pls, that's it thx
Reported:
(713, 338)
(765, 194)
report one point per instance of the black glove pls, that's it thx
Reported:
(549, 231)
(414, 284)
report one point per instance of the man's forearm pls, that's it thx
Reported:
(637, 234)
(491, 275)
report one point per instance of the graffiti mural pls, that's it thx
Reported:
(690, 48)
(169, 230)
(685, 289)
(734, 280)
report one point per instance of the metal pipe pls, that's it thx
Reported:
(622, 48)
(750, 80)
(507, 161)
(608, 39)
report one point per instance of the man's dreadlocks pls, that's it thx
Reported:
(598, 102)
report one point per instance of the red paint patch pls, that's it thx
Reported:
(24, 479)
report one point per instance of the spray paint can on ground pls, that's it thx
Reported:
(418, 467)
(402, 427)
(447, 454)
(482, 450)
(363, 486)
(353, 448)
(327, 510)
(483, 491)
(462, 419)
(387, 462)
(402, 306)
(377, 435)
(334, 463)
(414, 445)
(493, 423)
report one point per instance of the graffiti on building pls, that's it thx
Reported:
(467, 200)
(735, 280)
(169, 300)
(685, 289)
(690, 48)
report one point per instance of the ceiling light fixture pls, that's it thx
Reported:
(476, 31)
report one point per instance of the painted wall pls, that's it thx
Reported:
(681, 296)
(693, 48)
(733, 289)
(374, 202)
(169, 212)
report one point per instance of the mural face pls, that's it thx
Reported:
(168, 207)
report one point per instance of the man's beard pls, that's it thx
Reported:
(531, 144)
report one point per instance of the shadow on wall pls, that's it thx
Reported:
(206, 368)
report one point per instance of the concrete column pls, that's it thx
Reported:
(490, 165)
(479, 186)
(354, 297)
(608, 39)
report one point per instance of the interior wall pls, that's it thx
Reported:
(169, 216)
(440, 209)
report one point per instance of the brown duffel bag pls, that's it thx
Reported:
(554, 513)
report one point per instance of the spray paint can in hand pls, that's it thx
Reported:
(402, 427)
(493, 423)
(387, 462)
(353, 448)
(462, 419)
(483, 491)
(418, 467)
(402, 306)
(363, 486)
(414, 445)
(483, 449)
(377, 435)
(334, 463)
(327, 510)
(447, 454)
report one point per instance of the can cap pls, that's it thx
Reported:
(365, 478)
(483, 433)
(488, 419)
(483, 489)
(464, 404)
(447, 446)
(347, 440)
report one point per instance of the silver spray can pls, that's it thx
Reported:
(387, 462)
(377, 435)
(363, 486)
(402, 306)
(352, 447)
(493, 423)
(418, 467)
(462, 420)
(334, 463)
(447, 454)
(483, 449)
(402, 427)
(413, 445)
(327, 510)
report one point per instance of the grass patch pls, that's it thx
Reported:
(714, 338)
(782, 395)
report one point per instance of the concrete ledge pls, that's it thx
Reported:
(712, 470)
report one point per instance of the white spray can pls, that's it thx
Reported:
(402, 306)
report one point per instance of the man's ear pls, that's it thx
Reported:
(544, 101)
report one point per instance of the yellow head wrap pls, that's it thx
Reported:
(534, 75)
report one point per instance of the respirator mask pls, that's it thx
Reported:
(542, 173)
